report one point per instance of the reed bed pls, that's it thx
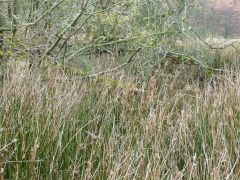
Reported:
(106, 128)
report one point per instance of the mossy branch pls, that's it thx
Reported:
(116, 68)
(84, 75)
(93, 46)
(186, 58)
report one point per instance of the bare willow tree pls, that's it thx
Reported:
(62, 31)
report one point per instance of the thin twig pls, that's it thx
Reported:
(64, 30)
(40, 18)
(26, 161)
(15, 140)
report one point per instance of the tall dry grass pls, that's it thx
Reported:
(107, 129)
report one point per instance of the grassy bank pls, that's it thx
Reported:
(109, 128)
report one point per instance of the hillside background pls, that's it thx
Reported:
(219, 16)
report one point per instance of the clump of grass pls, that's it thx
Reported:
(91, 129)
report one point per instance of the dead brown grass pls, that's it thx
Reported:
(105, 129)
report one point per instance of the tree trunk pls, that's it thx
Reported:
(1, 50)
(1, 38)
(15, 8)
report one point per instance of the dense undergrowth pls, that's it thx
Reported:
(119, 126)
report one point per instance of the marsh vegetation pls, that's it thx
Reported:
(116, 90)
